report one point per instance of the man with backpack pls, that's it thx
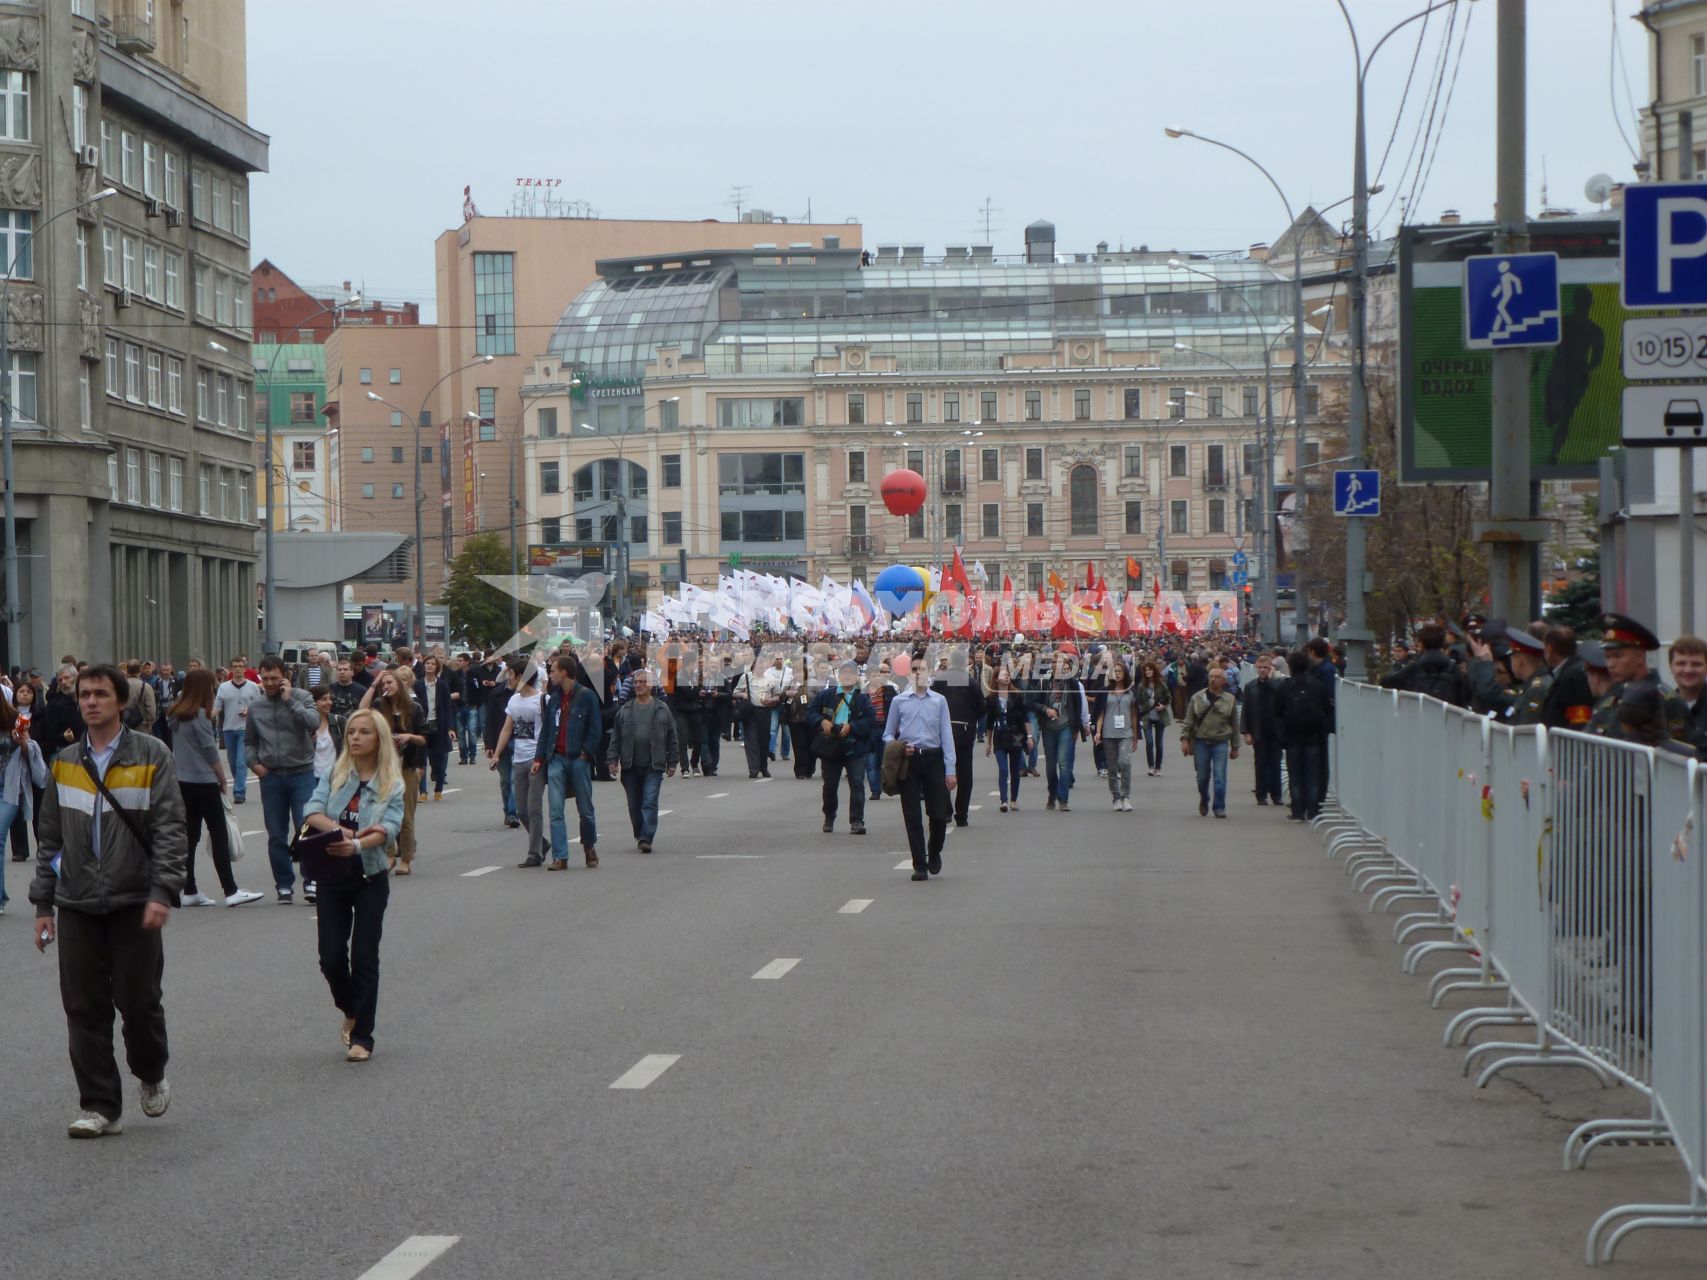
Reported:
(1304, 724)
(1432, 671)
(141, 708)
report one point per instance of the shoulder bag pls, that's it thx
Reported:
(125, 815)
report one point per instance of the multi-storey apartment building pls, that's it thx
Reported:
(290, 393)
(743, 407)
(127, 321)
(1674, 123)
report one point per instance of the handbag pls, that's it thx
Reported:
(125, 815)
(233, 828)
(832, 746)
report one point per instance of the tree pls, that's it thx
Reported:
(478, 612)
(1577, 605)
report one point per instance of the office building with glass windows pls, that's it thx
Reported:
(744, 406)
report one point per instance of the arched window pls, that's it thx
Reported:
(1082, 492)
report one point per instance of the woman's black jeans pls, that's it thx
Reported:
(351, 921)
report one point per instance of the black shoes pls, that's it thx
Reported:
(645, 846)
(530, 862)
(829, 825)
(512, 823)
(1220, 813)
(1262, 802)
(920, 875)
(962, 822)
(752, 777)
(857, 829)
(933, 864)
(1051, 803)
(1203, 808)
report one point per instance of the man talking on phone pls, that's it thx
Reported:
(110, 858)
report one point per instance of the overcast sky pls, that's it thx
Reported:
(906, 116)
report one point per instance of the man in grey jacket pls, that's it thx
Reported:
(643, 752)
(279, 737)
(113, 875)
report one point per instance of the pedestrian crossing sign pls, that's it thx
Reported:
(1511, 300)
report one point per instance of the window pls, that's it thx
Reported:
(1217, 515)
(397, 490)
(990, 466)
(1134, 518)
(1176, 402)
(367, 491)
(1312, 400)
(109, 149)
(1215, 466)
(239, 218)
(173, 189)
(79, 117)
(1132, 462)
(15, 106)
(133, 372)
(397, 417)
(22, 377)
(302, 406)
(133, 476)
(1181, 575)
(1034, 406)
(127, 262)
(82, 257)
(1249, 405)
(637, 528)
(1697, 65)
(156, 384)
(856, 466)
(204, 395)
(672, 528)
(790, 412)
(1034, 464)
(109, 255)
(856, 408)
(1082, 405)
(151, 273)
(951, 406)
(915, 406)
(113, 383)
(397, 453)
(174, 281)
(222, 400)
(584, 530)
(1082, 496)
(952, 479)
(85, 396)
(987, 406)
(365, 377)
(992, 520)
(548, 478)
(916, 460)
(16, 242)
(127, 157)
(745, 474)
(1213, 405)
(302, 455)
(857, 526)
(155, 479)
(175, 484)
(1312, 452)
(1176, 462)
(951, 521)
(1179, 516)
(221, 298)
(916, 525)
(668, 417)
(672, 467)
(1034, 576)
(551, 529)
(396, 376)
(204, 492)
(1249, 506)
(219, 188)
(546, 422)
(495, 304)
(367, 455)
(198, 194)
(426, 453)
(1252, 458)
(1034, 519)
(202, 283)
(150, 169)
(174, 385)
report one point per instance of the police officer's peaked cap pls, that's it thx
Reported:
(1592, 655)
(1522, 641)
(1618, 631)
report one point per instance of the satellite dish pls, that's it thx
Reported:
(1598, 188)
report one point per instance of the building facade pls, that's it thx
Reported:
(743, 408)
(286, 312)
(127, 322)
(1674, 123)
(290, 394)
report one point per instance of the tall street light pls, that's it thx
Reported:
(420, 539)
(621, 603)
(14, 597)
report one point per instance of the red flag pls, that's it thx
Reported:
(1041, 598)
(1090, 575)
(1134, 570)
(957, 573)
(1007, 586)
(1063, 628)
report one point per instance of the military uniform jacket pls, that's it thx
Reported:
(1604, 720)
(1531, 703)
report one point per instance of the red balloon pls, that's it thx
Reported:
(903, 492)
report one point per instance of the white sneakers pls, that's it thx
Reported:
(1126, 806)
(156, 1098)
(196, 900)
(241, 897)
(92, 1124)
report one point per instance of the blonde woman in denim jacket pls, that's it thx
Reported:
(363, 795)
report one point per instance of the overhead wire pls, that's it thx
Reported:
(1446, 107)
(1616, 65)
(1404, 97)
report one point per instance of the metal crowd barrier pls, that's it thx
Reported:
(1571, 872)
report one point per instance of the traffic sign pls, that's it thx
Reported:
(1668, 348)
(1357, 493)
(1240, 560)
(1665, 415)
(1664, 261)
(1511, 300)
(1238, 577)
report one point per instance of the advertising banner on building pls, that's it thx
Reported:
(470, 519)
(446, 488)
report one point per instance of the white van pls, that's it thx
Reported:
(296, 651)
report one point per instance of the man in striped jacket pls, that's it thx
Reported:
(113, 874)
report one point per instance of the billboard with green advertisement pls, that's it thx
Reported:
(1446, 389)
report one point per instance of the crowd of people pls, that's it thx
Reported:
(118, 772)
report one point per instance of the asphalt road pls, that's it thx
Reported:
(1101, 1044)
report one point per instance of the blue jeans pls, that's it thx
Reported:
(283, 798)
(643, 786)
(874, 772)
(1009, 770)
(467, 727)
(8, 814)
(1036, 741)
(1211, 760)
(563, 775)
(1059, 746)
(236, 758)
(506, 792)
(778, 728)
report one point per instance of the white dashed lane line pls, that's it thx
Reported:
(775, 969)
(410, 1258)
(646, 1071)
(904, 866)
(479, 871)
(853, 906)
(718, 795)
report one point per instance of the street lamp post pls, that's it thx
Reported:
(14, 596)
(620, 604)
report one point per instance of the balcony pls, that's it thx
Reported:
(133, 32)
(953, 485)
(860, 544)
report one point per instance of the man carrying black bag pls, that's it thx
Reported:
(847, 726)
(111, 860)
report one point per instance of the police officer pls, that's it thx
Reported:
(1599, 677)
(1522, 702)
(1627, 644)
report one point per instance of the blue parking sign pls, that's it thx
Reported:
(1511, 300)
(1664, 245)
(1357, 493)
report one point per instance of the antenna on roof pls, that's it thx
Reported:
(738, 198)
(986, 216)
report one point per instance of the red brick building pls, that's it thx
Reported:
(285, 312)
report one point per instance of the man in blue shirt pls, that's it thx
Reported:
(918, 716)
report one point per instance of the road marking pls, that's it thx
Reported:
(410, 1258)
(904, 866)
(479, 871)
(254, 833)
(450, 791)
(995, 794)
(853, 906)
(664, 813)
(973, 808)
(730, 857)
(717, 795)
(775, 969)
(646, 1070)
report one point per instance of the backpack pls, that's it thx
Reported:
(1306, 710)
(132, 716)
(1436, 681)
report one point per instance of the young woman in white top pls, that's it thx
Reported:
(521, 734)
